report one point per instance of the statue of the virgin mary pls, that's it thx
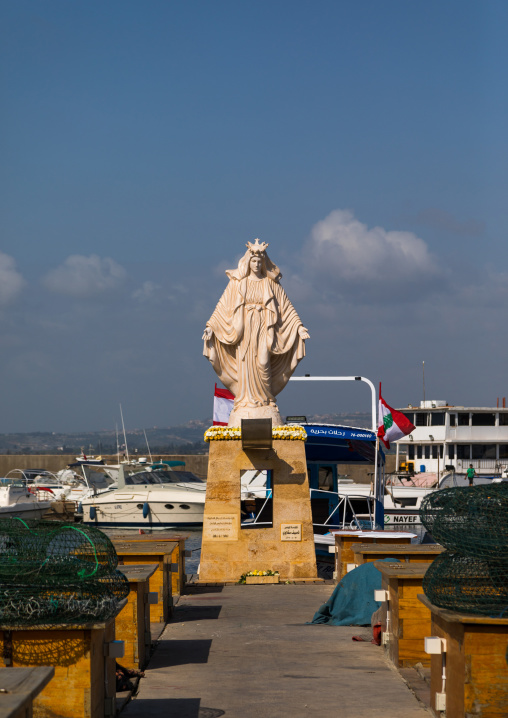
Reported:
(254, 339)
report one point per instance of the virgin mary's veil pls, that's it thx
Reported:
(269, 268)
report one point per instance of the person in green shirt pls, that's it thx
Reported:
(470, 473)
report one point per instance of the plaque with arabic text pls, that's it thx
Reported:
(220, 527)
(291, 532)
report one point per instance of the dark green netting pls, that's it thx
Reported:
(468, 584)
(472, 521)
(57, 573)
(29, 547)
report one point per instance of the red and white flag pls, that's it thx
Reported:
(222, 406)
(392, 424)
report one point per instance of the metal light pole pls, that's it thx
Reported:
(307, 377)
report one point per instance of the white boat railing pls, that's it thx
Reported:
(344, 503)
(349, 514)
(488, 464)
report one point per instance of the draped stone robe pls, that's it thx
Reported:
(255, 346)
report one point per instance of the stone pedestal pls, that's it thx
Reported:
(228, 550)
(257, 412)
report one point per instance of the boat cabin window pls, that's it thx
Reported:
(503, 451)
(503, 419)
(453, 419)
(437, 450)
(451, 451)
(483, 419)
(484, 451)
(143, 477)
(464, 451)
(427, 451)
(409, 416)
(411, 451)
(437, 418)
(162, 477)
(178, 476)
(463, 418)
(422, 418)
(419, 450)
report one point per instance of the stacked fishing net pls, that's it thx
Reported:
(57, 574)
(472, 524)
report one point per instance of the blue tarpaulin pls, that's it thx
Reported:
(352, 603)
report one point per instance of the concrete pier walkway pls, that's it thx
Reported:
(245, 652)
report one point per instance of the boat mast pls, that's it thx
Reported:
(148, 447)
(124, 435)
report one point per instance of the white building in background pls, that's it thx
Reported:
(453, 437)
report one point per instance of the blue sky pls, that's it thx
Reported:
(143, 144)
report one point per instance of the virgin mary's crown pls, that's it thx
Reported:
(256, 248)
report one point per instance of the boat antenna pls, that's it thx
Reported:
(124, 435)
(423, 372)
(148, 447)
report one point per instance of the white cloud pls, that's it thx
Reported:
(147, 291)
(11, 281)
(80, 276)
(343, 248)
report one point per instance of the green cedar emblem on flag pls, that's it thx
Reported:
(387, 421)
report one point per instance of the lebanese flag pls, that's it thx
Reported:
(392, 424)
(222, 406)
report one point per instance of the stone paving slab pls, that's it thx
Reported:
(245, 652)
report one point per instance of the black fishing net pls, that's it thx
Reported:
(470, 520)
(57, 574)
(468, 584)
(472, 523)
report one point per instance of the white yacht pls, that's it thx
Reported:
(17, 501)
(148, 499)
(65, 485)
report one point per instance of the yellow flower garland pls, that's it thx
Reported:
(230, 433)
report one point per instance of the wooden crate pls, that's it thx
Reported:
(84, 684)
(345, 539)
(415, 553)
(406, 621)
(142, 552)
(133, 621)
(19, 688)
(177, 555)
(476, 663)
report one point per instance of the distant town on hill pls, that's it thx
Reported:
(184, 439)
